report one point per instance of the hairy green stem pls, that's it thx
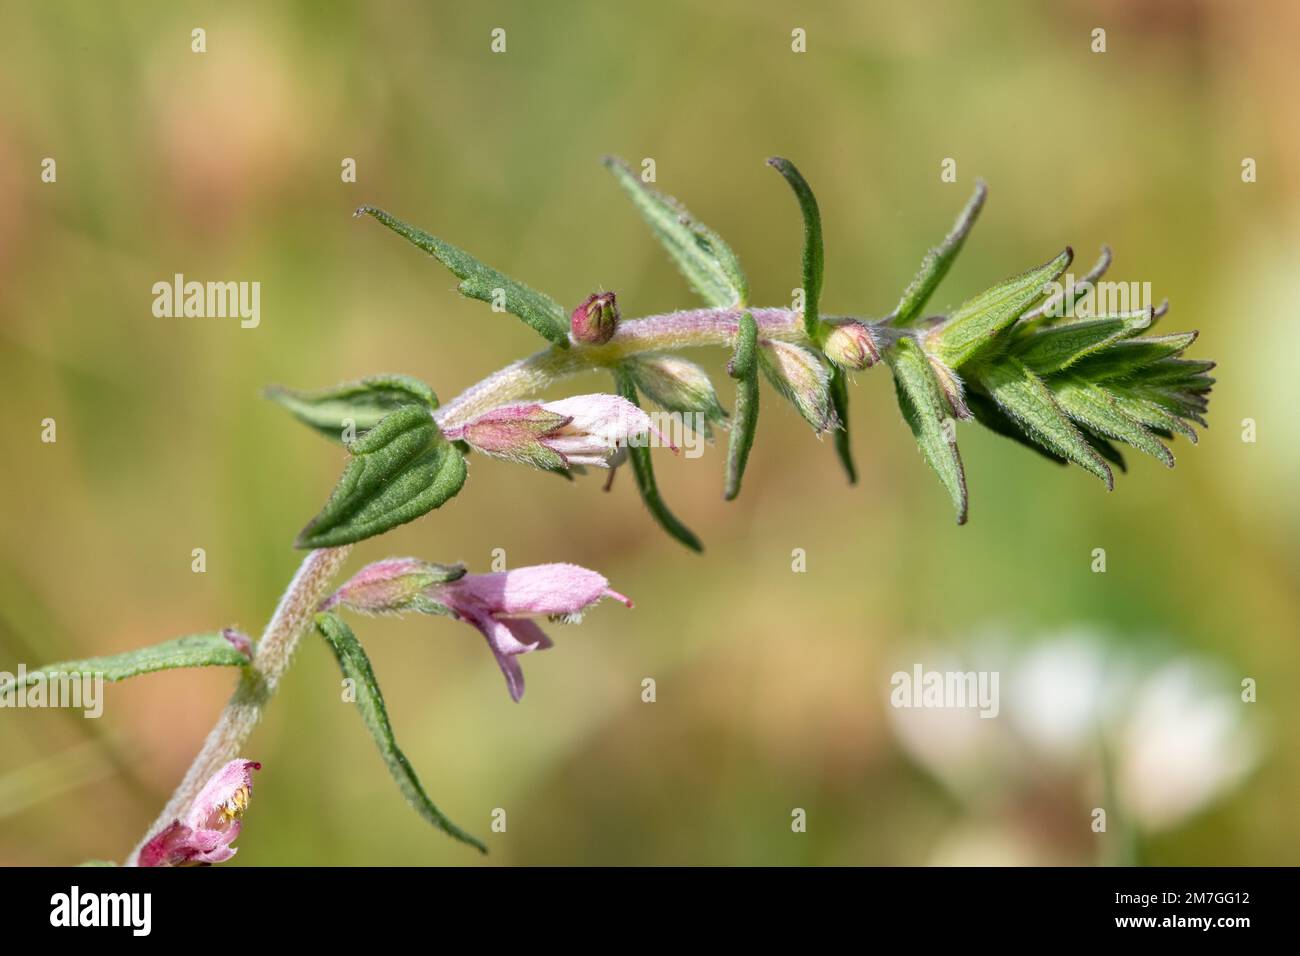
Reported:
(259, 682)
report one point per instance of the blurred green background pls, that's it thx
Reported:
(771, 685)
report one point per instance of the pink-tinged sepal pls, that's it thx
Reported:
(395, 586)
(583, 430)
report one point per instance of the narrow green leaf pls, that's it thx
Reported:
(1153, 416)
(978, 321)
(1023, 396)
(482, 282)
(356, 666)
(1105, 448)
(1185, 374)
(402, 469)
(987, 413)
(1126, 356)
(921, 399)
(707, 262)
(840, 402)
(813, 255)
(937, 262)
(193, 650)
(1057, 347)
(643, 469)
(363, 403)
(743, 367)
(1092, 406)
(1058, 301)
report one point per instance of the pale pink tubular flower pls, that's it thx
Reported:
(500, 606)
(211, 824)
(583, 430)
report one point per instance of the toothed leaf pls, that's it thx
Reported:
(402, 469)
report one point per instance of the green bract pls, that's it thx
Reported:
(402, 469)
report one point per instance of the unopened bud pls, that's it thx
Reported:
(595, 320)
(852, 345)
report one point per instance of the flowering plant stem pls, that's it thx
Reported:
(668, 332)
(293, 618)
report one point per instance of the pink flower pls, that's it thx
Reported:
(584, 430)
(210, 825)
(500, 606)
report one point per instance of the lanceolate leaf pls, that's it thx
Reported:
(1090, 405)
(937, 262)
(743, 367)
(925, 409)
(643, 469)
(840, 403)
(977, 322)
(479, 281)
(193, 650)
(707, 262)
(1024, 397)
(1059, 346)
(401, 469)
(356, 666)
(813, 256)
(1126, 357)
(987, 413)
(362, 403)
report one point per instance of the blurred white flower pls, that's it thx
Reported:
(1182, 745)
(1172, 733)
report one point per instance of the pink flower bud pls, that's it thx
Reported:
(595, 320)
(500, 604)
(584, 430)
(852, 345)
(210, 825)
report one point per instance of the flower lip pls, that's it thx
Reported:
(211, 823)
(501, 606)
